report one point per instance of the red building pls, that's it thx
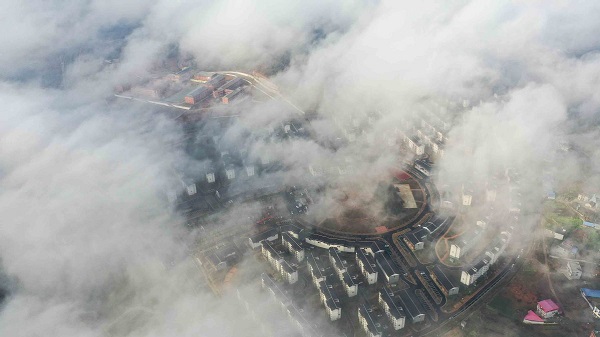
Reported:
(231, 96)
(216, 81)
(229, 87)
(203, 76)
(532, 318)
(547, 308)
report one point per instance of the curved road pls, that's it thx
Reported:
(386, 238)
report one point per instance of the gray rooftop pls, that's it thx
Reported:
(338, 262)
(389, 299)
(331, 298)
(367, 260)
(263, 236)
(364, 312)
(411, 305)
(443, 278)
(295, 244)
(386, 264)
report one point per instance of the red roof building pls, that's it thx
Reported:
(532, 318)
(402, 176)
(547, 308)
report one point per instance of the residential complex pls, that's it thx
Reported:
(394, 312)
(367, 265)
(366, 320)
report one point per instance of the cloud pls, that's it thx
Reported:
(88, 237)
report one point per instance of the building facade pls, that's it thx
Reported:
(293, 246)
(413, 309)
(367, 322)
(256, 240)
(547, 308)
(287, 272)
(472, 274)
(392, 309)
(413, 242)
(388, 268)
(448, 287)
(315, 268)
(367, 265)
(330, 301)
(341, 270)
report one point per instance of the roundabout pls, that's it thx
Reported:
(398, 204)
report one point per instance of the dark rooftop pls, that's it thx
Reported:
(385, 262)
(197, 90)
(364, 312)
(316, 265)
(348, 279)
(271, 250)
(411, 305)
(412, 238)
(296, 245)
(367, 260)
(263, 236)
(338, 262)
(443, 278)
(389, 299)
(331, 298)
(481, 262)
(287, 267)
(222, 255)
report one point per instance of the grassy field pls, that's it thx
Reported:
(567, 221)
(559, 216)
(528, 270)
(561, 219)
(503, 305)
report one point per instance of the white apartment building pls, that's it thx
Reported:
(473, 273)
(367, 265)
(371, 328)
(293, 246)
(393, 311)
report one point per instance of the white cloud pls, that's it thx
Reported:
(84, 227)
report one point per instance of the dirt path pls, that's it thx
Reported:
(447, 250)
(547, 266)
(437, 253)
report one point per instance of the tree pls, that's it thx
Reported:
(394, 202)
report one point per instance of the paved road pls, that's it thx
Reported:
(440, 221)
(386, 239)
(443, 222)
